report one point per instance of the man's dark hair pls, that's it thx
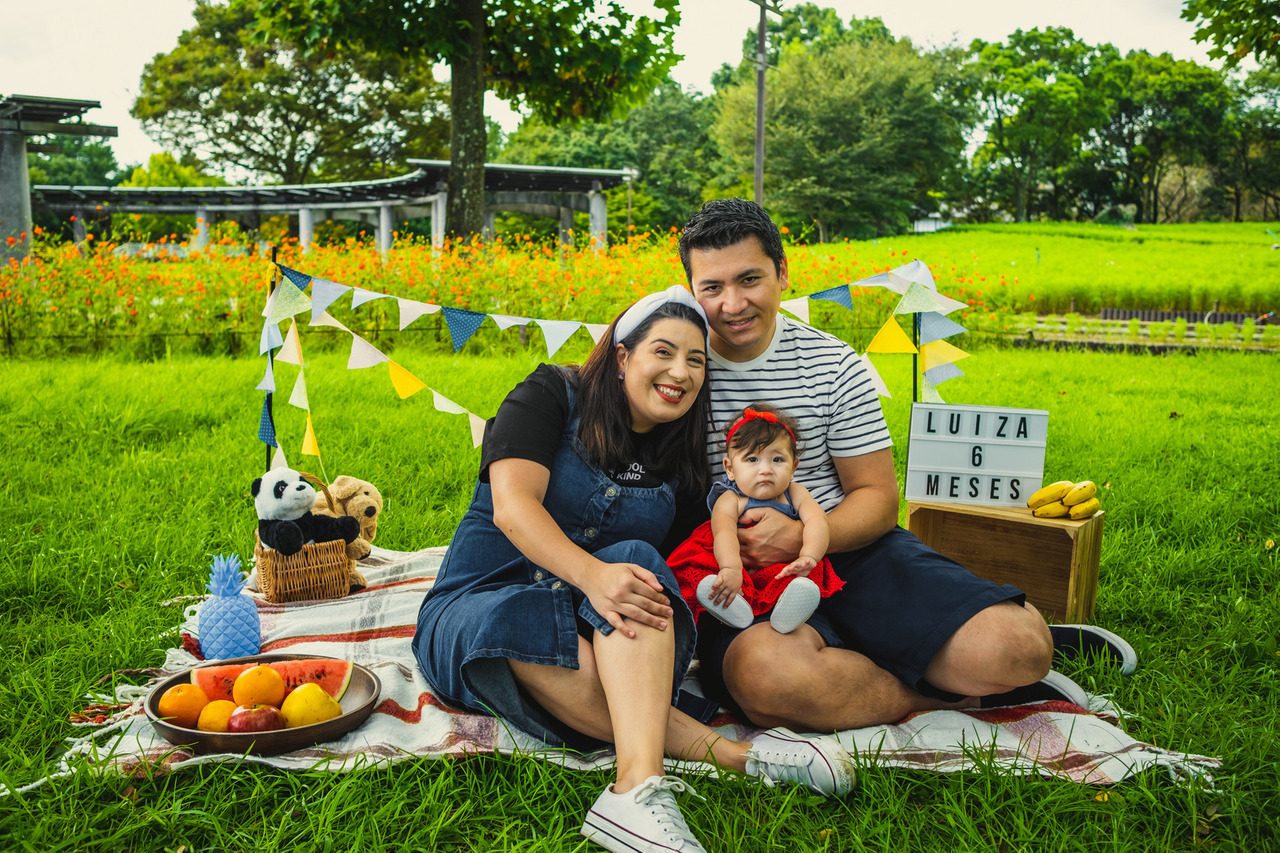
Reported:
(726, 221)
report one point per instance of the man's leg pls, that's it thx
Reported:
(1004, 646)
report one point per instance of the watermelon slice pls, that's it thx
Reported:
(332, 675)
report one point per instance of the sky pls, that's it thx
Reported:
(95, 50)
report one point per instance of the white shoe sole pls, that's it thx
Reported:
(795, 605)
(738, 614)
(1068, 637)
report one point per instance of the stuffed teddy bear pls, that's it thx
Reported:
(358, 499)
(284, 500)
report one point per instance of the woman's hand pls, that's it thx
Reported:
(625, 591)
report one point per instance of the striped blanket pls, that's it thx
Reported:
(373, 627)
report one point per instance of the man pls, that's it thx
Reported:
(911, 630)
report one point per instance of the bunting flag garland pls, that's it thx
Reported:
(881, 388)
(266, 429)
(278, 460)
(310, 447)
(284, 302)
(839, 295)
(323, 294)
(363, 354)
(360, 296)
(291, 349)
(405, 383)
(916, 300)
(943, 372)
(271, 337)
(411, 310)
(799, 307)
(891, 338)
(462, 324)
(935, 327)
(939, 353)
(301, 280)
(556, 332)
(298, 398)
(596, 330)
(268, 382)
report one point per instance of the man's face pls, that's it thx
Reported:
(740, 291)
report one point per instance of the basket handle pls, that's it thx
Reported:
(333, 505)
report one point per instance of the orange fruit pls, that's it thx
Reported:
(214, 716)
(182, 704)
(259, 685)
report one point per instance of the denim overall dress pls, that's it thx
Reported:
(490, 602)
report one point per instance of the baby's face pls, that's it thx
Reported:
(765, 473)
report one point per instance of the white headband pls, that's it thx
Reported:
(646, 305)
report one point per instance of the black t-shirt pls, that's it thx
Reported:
(531, 420)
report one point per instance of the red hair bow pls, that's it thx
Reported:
(752, 415)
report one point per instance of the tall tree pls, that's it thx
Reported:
(563, 59)
(266, 108)
(1250, 161)
(1237, 28)
(858, 135)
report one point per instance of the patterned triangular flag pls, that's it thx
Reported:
(929, 393)
(299, 396)
(556, 332)
(799, 307)
(444, 404)
(940, 352)
(839, 295)
(477, 429)
(360, 296)
(881, 388)
(935, 327)
(323, 294)
(462, 324)
(915, 300)
(310, 447)
(278, 460)
(943, 372)
(285, 302)
(891, 338)
(299, 279)
(363, 354)
(271, 338)
(291, 350)
(268, 382)
(266, 429)
(405, 383)
(411, 310)
(596, 330)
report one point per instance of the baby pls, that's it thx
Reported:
(761, 459)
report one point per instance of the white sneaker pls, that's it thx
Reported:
(738, 614)
(795, 605)
(818, 763)
(645, 819)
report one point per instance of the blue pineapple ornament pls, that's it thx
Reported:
(228, 620)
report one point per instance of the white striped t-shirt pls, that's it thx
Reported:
(816, 379)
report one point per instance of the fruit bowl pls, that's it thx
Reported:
(357, 704)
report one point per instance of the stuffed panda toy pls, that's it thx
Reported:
(285, 521)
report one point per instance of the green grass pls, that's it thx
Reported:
(121, 479)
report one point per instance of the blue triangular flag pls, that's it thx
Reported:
(266, 429)
(935, 327)
(943, 372)
(271, 338)
(299, 279)
(838, 295)
(462, 324)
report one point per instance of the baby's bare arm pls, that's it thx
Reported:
(817, 534)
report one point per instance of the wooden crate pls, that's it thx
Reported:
(1053, 560)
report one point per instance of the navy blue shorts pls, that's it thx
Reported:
(901, 601)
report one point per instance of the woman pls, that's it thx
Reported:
(554, 611)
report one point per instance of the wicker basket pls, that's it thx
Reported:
(317, 571)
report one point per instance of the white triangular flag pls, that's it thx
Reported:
(885, 279)
(929, 393)
(299, 396)
(917, 271)
(444, 404)
(946, 304)
(327, 319)
(798, 307)
(270, 337)
(411, 310)
(477, 429)
(556, 332)
(278, 460)
(268, 382)
(360, 296)
(291, 352)
(596, 330)
(504, 322)
(323, 294)
(363, 354)
(874, 375)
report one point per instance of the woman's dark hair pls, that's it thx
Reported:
(679, 447)
(758, 433)
(724, 222)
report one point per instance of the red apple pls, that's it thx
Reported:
(255, 718)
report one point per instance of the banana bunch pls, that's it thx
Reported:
(1077, 501)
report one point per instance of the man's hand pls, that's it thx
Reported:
(770, 538)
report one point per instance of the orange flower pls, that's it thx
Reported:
(11, 240)
(784, 229)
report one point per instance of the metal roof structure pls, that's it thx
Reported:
(32, 115)
(516, 177)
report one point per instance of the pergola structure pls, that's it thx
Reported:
(22, 116)
(549, 191)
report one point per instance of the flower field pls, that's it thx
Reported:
(72, 300)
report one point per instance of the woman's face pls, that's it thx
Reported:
(664, 373)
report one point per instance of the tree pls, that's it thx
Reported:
(83, 162)
(563, 59)
(268, 109)
(1251, 142)
(858, 135)
(1236, 28)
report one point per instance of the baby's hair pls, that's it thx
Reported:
(759, 426)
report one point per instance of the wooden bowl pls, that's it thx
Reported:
(357, 704)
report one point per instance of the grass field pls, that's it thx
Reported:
(122, 478)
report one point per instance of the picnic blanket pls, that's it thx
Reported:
(373, 627)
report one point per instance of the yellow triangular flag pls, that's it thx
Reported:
(891, 338)
(406, 383)
(309, 445)
(941, 352)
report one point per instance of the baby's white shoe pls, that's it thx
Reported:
(795, 605)
(738, 614)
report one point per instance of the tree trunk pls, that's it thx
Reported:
(468, 141)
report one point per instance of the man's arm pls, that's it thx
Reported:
(868, 511)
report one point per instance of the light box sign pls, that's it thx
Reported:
(975, 454)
